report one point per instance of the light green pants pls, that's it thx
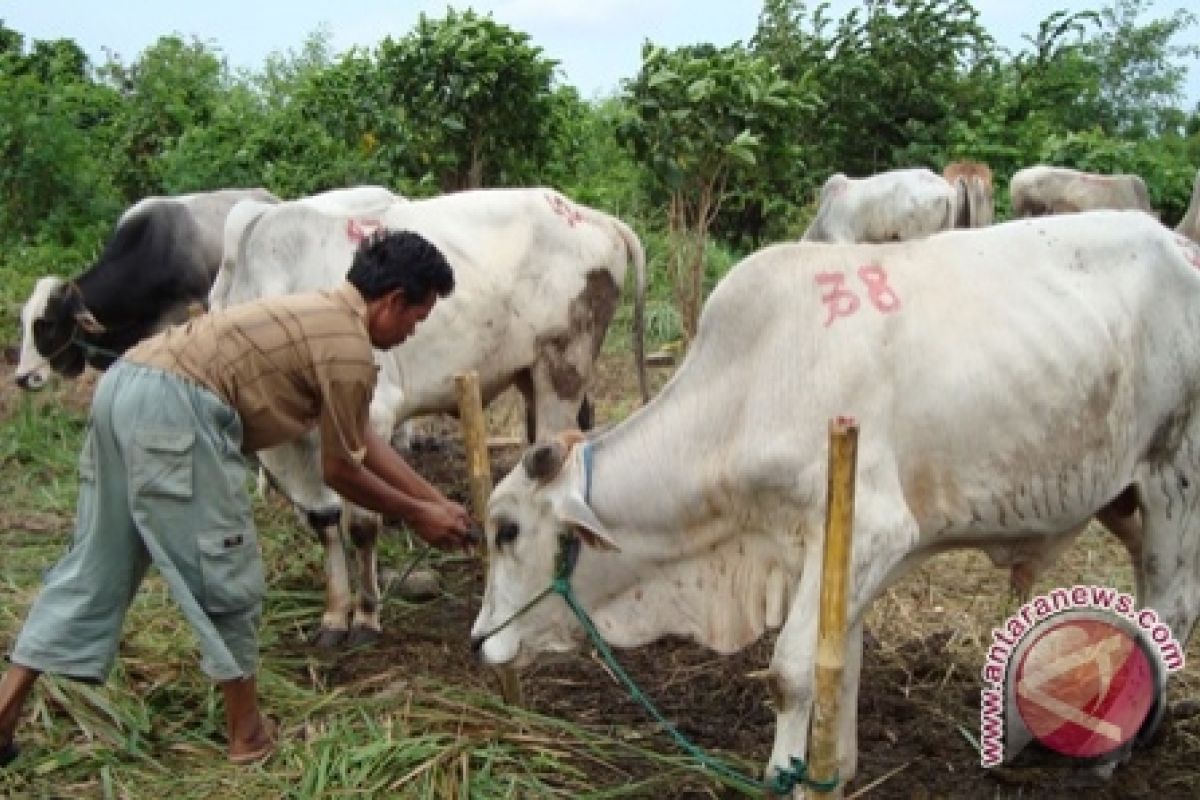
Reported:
(161, 480)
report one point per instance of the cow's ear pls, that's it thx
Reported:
(543, 461)
(83, 317)
(88, 323)
(579, 515)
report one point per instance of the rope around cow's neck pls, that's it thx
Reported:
(77, 340)
(782, 782)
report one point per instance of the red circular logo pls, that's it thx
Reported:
(1084, 687)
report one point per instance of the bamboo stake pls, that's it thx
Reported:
(479, 477)
(835, 579)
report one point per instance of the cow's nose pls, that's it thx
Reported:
(23, 381)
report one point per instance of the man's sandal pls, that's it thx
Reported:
(272, 727)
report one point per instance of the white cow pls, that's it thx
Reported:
(161, 258)
(892, 206)
(1010, 383)
(1189, 226)
(537, 279)
(1035, 191)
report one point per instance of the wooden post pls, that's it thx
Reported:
(474, 432)
(479, 477)
(835, 580)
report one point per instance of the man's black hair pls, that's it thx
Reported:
(390, 260)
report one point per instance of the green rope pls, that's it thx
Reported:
(782, 782)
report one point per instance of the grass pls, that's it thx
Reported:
(156, 727)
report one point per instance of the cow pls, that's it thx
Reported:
(897, 205)
(974, 203)
(537, 278)
(1010, 383)
(1038, 190)
(155, 269)
(1189, 226)
(229, 288)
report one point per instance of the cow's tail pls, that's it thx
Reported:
(633, 246)
(964, 216)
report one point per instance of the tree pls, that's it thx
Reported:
(704, 120)
(893, 78)
(476, 100)
(305, 123)
(1141, 74)
(53, 184)
(171, 88)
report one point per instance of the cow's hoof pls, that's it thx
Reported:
(418, 586)
(329, 638)
(362, 636)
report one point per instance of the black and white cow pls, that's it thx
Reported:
(159, 261)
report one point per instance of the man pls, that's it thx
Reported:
(163, 481)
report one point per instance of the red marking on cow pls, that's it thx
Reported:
(1190, 251)
(881, 295)
(844, 302)
(560, 206)
(359, 229)
(841, 301)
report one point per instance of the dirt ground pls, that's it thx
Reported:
(919, 699)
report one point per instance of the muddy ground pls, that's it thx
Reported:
(919, 701)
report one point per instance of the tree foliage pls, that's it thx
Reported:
(476, 97)
(53, 182)
(703, 120)
(703, 142)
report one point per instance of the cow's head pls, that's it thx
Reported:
(32, 369)
(56, 330)
(532, 512)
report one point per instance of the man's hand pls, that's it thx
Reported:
(445, 525)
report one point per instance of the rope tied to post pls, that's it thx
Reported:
(782, 782)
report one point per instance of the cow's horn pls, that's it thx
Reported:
(543, 461)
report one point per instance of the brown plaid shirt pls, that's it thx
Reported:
(285, 364)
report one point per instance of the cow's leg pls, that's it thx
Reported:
(1167, 556)
(364, 528)
(523, 380)
(848, 721)
(1123, 520)
(338, 598)
(790, 677)
(565, 358)
(294, 470)
(558, 394)
(884, 536)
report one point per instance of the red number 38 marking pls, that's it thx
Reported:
(842, 301)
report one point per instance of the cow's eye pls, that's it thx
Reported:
(506, 533)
